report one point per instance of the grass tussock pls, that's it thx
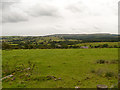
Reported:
(101, 61)
(18, 68)
(104, 73)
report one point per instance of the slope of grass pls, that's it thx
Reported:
(74, 67)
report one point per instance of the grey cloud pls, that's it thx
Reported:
(76, 7)
(82, 9)
(43, 10)
(6, 5)
(13, 17)
(6, 1)
(12, 14)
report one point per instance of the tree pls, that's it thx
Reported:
(105, 45)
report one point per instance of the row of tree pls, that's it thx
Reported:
(52, 46)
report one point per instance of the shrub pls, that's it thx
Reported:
(106, 61)
(109, 74)
(101, 61)
(92, 71)
(105, 45)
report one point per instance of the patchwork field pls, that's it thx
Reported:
(111, 44)
(60, 68)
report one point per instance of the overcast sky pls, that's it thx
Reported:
(44, 17)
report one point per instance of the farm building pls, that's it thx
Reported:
(84, 47)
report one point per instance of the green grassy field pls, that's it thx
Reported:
(71, 67)
(99, 43)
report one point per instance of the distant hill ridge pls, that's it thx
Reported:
(98, 36)
(87, 36)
